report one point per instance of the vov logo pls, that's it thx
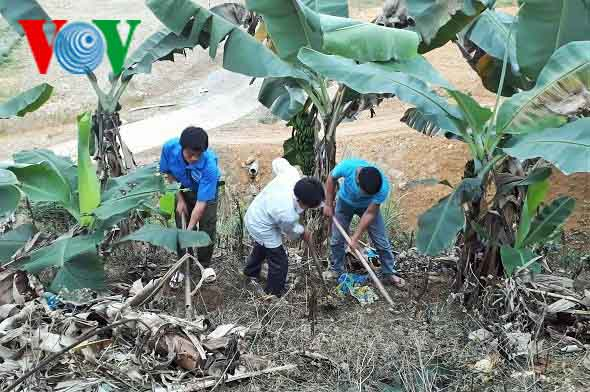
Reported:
(78, 46)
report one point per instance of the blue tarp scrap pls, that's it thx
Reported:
(353, 284)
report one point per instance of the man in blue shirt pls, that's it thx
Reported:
(363, 190)
(189, 161)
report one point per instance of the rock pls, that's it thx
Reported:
(485, 365)
(520, 342)
(481, 335)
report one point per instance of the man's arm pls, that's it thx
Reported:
(366, 220)
(330, 196)
(197, 214)
(207, 192)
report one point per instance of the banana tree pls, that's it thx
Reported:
(497, 207)
(41, 176)
(315, 47)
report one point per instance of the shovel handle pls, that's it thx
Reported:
(363, 262)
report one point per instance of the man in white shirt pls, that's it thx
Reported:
(276, 211)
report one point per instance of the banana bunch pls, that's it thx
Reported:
(299, 149)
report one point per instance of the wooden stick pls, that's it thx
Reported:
(210, 382)
(550, 294)
(188, 299)
(364, 262)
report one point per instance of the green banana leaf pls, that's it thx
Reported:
(62, 165)
(380, 78)
(9, 193)
(513, 259)
(549, 219)
(14, 240)
(169, 238)
(558, 93)
(76, 259)
(84, 271)
(160, 46)
(568, 147)
(438, 22)
(42, 183)
(133, 191)
(328, 7)
(88, 184)
(13, 11)
(546, 25)
(292, 26)
(428, 125)
(26, 102)
(491, 32)
(476, 115)
(438, 227)
(283, 96)
(536, 193)
(196, 25)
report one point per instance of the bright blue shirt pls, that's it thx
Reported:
(200, 177)
(350, 192)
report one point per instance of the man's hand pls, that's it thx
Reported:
(354, 243)
(328, 210)
(181, 207)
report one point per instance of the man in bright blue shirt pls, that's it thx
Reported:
(364, 188)
(189, 161)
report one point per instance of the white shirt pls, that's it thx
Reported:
(275, 210)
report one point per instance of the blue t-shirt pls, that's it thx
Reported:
(200, 177)
(350, 192)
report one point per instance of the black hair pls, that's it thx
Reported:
(370, 180)
(310, 192)
(195, 139)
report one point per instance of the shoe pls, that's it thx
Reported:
(394, 280)
(252, 284)
(272, 299)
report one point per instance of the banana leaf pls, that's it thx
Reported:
(561, 91)
(438, 22)
(513, 259)
(428, 125)
(14, 240)
(76, 259)
(536, 193)
(62, 165)
(136, 190)
(26, 102)
(42, 183)
(283, 96)
(169, 238)
(292, 25)
(567, 148)
(549, 219)
(545, 26)
(9, 193)
(88, 184)
(438, 227)
(14, 11)
(380, 78)
(194, 25)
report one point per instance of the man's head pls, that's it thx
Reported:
(309, 192)
(370, 180)
(194, 142)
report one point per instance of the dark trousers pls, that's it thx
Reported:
(278, 266)
(208, 224)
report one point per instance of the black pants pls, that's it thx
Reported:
(208, 224)
(278, 266)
